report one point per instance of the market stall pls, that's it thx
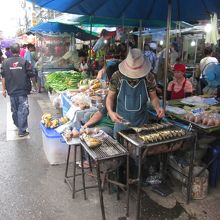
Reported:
(56, 46)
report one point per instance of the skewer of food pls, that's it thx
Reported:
(162, 135)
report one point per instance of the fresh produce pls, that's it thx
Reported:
(54, 123)
(95, 84)
(63, 80)
(84, 84)
(46, 116)
(204, 119)
(63, 120)
(49, 122)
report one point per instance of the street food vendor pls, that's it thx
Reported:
(180, 87)
(131, 87)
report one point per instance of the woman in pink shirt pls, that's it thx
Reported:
(180, 87)
(23, 50)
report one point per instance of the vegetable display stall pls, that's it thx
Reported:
(63, 80)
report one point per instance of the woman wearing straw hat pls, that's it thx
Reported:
(130, 88)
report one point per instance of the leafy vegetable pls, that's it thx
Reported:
(63, 80)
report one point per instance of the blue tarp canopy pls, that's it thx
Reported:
(86, 20)
(110, 22)
(182, 10)
(56, 27)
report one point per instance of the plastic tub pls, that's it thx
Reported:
(54, 146)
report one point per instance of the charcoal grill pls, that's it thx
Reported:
(138, 149)
(110, 149)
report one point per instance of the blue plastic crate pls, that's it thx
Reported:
(50, 132)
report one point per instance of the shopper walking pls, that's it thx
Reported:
(16, 74)
(29, 57)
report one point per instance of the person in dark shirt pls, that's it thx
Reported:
(16, 74)
(8, 52)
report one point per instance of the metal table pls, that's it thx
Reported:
(129, 140)
(109, 150)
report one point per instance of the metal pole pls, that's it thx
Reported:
(140, 36)
(167, 52)
(196, 51)
(90, 42)
(139, 184)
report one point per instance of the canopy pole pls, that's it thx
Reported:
(196, 48)
(90, 41)
(140, 36)
(167, 52)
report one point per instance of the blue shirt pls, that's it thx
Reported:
(28, 56)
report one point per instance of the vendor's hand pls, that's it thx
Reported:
(160, 112)
(116, 117)
(4, 93)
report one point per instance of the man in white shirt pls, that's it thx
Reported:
(208, 59)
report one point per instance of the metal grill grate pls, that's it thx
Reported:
(109, 149)
(134, 137)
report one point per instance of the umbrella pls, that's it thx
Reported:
(56, 27)
(7, 43)
(186, 10)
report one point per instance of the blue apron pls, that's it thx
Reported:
(132, 104)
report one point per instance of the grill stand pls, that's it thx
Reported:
(141, 150)
(99, 155)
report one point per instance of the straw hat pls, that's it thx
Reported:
(135, 65)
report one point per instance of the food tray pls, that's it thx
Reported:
(196, 125)
(109, 148)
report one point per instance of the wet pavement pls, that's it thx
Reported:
(31, 188)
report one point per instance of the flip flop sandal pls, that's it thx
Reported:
(85, 165)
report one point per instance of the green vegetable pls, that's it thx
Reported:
(63, 80)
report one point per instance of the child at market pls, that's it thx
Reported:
(180, 87)
(83, 66)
